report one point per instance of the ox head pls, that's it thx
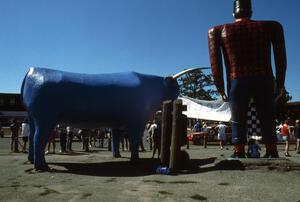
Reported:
(172, 85)
(172, 88)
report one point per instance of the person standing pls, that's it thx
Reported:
(63, 138)
(70, 136)
(85, 134)
(92, 138)
(246, 46)
(109, 138)
(1, 132)
(285, 132)
(221, 134)
(197, 127)
(101, 136)
(25, 131)
(15, 127)
(124, 139)
(148, 136)
(155, 134)
(52, 141)
(141, 144)
(297, 135)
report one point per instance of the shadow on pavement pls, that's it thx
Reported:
(210, 164)
(143, 168)
(113, 169)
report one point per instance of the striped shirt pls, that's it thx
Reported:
(246, 46)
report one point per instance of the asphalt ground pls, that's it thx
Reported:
(97, 176)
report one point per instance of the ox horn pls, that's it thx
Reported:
(176, 76)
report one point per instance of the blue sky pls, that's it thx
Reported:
(160, 37)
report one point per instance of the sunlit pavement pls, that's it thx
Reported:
(97, 176)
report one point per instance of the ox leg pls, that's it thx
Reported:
(135, 135)
(31, 145)
(116, 135)
(41, 137)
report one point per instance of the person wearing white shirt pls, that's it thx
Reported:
(221, 134)
(25, 131)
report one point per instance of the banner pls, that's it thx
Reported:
(215, 110)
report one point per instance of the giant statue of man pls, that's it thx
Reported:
(246, 47)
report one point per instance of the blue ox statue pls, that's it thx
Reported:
(111, 100)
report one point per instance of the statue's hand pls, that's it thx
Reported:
(223, 95)
(280, 93)
(224, 98)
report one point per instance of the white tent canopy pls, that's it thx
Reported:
(216, 110)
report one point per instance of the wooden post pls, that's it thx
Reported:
(166, 131)
(205, 139)
(184, 129)
(176, 129)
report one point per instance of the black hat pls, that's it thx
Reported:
(242, 8)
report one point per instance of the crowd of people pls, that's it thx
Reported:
(63, 135)
(286, 131)
(212, 129)
(99, 137)
(89, 138)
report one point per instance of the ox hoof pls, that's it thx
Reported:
(117, 155)
(43, 168)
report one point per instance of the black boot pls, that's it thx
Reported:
(271, 151)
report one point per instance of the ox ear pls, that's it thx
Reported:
(170, 81)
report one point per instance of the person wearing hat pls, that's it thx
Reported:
(246, 46)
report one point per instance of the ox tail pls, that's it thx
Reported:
(22, 87)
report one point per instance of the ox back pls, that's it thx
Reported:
(104, 99)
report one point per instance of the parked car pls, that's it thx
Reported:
(197, 137)
(211, 135)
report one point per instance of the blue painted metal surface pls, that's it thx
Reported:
(112, 100)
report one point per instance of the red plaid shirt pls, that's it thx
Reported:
(246, 46)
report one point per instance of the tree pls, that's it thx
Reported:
(281, 106)
(197, 85)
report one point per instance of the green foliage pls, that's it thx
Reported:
(197, 85)
(281, 106)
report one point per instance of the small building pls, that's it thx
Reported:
(11, 107)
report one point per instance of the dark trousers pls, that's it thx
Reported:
(124, 143)
(262, 90)
(63, 141)
(14, 145)
(101, 142)
(69, 141)
(85, 143)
